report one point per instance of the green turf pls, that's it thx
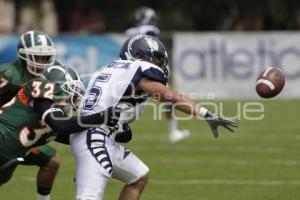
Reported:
(260, 161)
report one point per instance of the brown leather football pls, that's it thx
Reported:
(270, 82)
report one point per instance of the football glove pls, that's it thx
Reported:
(214, 121)
(112, 115)
(125, 135)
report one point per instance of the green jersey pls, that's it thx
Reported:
(13, 75)
(20, 127)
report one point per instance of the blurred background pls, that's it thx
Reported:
(94, 16)
(213, 41)
(217, 48)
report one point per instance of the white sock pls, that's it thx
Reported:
(172, 125)
(43, 197)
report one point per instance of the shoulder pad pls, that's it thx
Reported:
(151, 71)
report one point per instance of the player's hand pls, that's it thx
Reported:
(112, 116)
(215, 121)
(125, 135)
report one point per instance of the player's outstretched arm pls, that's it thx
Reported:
(185, 104)
(63, 125)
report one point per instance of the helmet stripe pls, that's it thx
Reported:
(49, 43)
(36, 39)
(27, 40)
(56, 67)
(22, 42)
(43, 40)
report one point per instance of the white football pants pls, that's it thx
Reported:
(100, 158)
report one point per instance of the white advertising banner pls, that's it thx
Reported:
(226, 65)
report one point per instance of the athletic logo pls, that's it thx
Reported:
(152, 44)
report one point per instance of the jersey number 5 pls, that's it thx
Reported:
(95, 92)
(94, 95)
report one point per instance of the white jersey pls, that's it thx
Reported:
(144, 30)
(116, 83)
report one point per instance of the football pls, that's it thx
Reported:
(270, 82)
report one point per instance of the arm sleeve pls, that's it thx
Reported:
(61, 124)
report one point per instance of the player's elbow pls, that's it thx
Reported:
(60, 128)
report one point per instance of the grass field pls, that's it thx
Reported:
(260, 161)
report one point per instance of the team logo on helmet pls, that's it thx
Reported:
(132, 40)
(153, 45)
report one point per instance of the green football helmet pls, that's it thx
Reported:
(68, 80)
(36, 52)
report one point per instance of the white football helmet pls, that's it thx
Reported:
(36, 51)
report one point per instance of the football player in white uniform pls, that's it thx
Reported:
(146, 24)
(141, 72)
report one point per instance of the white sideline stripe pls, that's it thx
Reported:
(267, 82)
(207, 182)
(28, 178)
(227, 162)
(214, 148)
(224, 182)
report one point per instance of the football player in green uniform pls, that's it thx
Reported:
(36, 52)
(36, 116)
